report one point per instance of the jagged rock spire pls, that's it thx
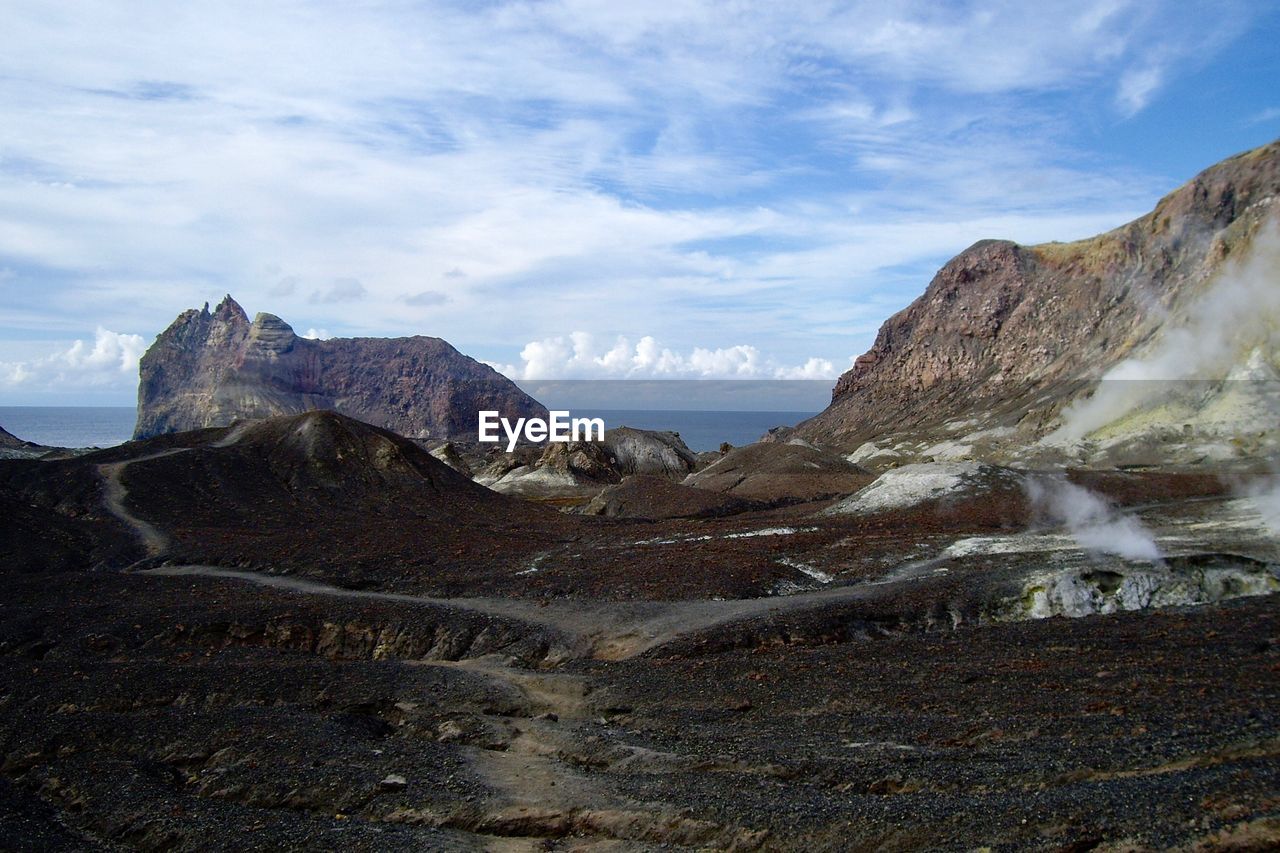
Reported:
(212, 369)
(229, 309)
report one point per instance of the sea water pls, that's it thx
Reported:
(107, 426)
(701, 430)
(70, 426)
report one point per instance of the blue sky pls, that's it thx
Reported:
(576, 189)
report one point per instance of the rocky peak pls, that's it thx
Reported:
(268, 334)
(263, 320)
(229, 311)
(1010, 334)
(946, 332)
(209, 369)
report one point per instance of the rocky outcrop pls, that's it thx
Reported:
(912, 485)
(581, 469)
(650, 452)
(1008, 335)
(449, 455)
(212, 368)
(650, 497)
(772, 472)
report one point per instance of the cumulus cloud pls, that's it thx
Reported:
(700, 162)
(111, 360)
(314, 334)
(582, 355)
(342, 290)
(427, 298)
(814, 368)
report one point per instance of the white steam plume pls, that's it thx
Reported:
(1240, 313)
(1091, 521)
(1266, 498)
(1264, 494)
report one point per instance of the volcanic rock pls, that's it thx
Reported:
(579, 470)
(573, 471)
(317, 493)
(393, 782)
(640, 451)
(1006, 336)
(448, 454)
(646, 496)
(210, 369)
(7, 439)
(911, 485)
(767, 471)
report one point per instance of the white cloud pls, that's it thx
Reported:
(1137, 86)
(1263, 116)
(814, 368)
(110, 361)
(713, 172)
(341, 290)
(426, 298)
(582, 355)
(286, 286)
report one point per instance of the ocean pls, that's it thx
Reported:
(70, 426)
(107, 426)
(700, 430)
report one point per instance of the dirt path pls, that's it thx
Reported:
(606, 630)
(534, 783)
(113, 497)
(542, 789)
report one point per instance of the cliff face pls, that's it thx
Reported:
(1008, 335)
(209, 369)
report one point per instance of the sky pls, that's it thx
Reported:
(576, 188)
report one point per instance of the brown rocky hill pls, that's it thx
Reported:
(8, 439)
(773, 472)
(579, 470)
(209, 369)
(315, 493)
(1008, 335)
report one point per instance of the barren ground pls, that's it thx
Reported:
(198, 655)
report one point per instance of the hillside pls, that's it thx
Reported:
(1006, 337)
